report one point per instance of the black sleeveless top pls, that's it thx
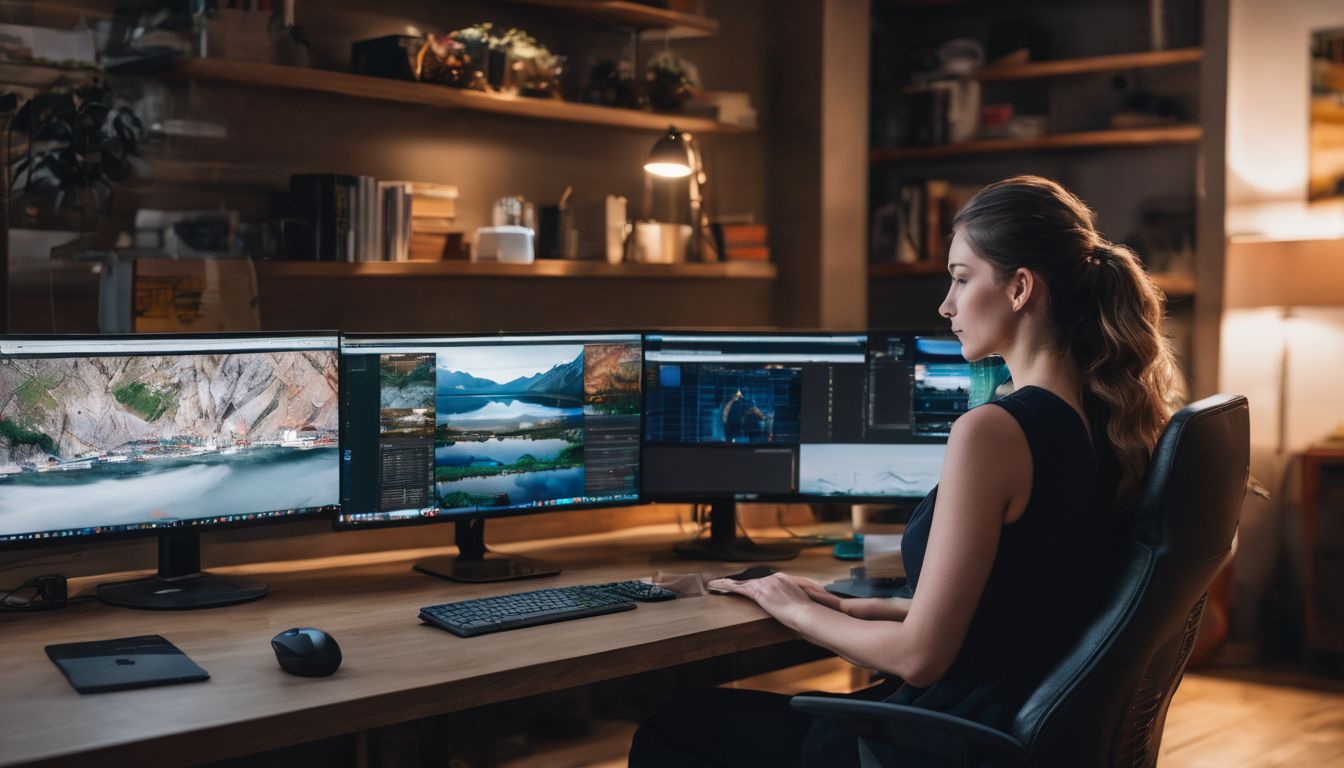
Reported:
(1047, 568)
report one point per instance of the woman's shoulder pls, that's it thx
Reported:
(988, 430)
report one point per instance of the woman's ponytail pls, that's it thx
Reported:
(1128, 366)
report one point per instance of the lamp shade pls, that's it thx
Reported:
(671, 157)
(1285, 273)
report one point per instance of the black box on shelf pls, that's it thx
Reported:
(392, 56)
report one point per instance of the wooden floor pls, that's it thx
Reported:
(1254, 719)
(1219, 719)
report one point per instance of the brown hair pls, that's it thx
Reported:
(1107, 311)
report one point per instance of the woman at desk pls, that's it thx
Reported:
(1015, 538)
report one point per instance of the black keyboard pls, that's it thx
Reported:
(522, 609)
(636, 590)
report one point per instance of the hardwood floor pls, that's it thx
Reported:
(1255, 719)
(1247, 718)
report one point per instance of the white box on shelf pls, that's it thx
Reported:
(507, 244)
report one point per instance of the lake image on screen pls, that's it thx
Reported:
(508, 425)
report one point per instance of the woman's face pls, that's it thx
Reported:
(977, 304)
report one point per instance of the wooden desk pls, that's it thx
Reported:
(395, 668)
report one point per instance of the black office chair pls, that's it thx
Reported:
(1106, 701)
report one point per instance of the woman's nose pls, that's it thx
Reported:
(947, 309)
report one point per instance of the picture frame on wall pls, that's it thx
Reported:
(1326, 163)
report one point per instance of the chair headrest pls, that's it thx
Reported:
(1198, 469)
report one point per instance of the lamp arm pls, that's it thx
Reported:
(699, 219)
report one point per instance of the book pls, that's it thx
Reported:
(433, 200)
(327, 202)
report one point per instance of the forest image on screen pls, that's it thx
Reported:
(510, 422)
(148, 438)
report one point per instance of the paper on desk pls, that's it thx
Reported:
(684, 584)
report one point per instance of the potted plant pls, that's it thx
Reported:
(78, 142)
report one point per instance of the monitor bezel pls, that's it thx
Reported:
(784, 498)
(299, 515)
(338, 522)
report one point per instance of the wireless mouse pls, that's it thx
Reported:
(306, 651)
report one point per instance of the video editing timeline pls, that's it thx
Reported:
(488, 424)
(106, 435)
(777, 416)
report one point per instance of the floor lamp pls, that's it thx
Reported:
(1283, 276)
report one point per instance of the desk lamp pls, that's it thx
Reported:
(676, 155)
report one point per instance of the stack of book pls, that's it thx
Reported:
(743, 242)
(916, 226)
(359, 218)
(433, 209)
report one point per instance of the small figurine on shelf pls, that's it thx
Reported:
(444, 60)
(513, 62)
(670, 80)
(476, 42)
(530, 67)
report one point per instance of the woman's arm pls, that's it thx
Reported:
(889, 608)
(986, 474)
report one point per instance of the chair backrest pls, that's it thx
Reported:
(1105, 703)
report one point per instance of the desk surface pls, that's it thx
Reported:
(395, 668)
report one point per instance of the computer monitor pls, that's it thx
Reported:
(795, 417)
(466, 428)
(107, 436)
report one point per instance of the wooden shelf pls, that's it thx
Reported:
(1034, 70)
(364, 87)
(545, 268)
(44, 76)
(912, 269)
(1175, 286)
(1136, 137)
(627, 15)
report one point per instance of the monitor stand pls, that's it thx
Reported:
(180, 584)
(476, 564)
(724, 543)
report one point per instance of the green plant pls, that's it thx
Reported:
(76, 138)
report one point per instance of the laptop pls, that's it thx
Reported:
(127, 662)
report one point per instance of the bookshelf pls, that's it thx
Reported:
(444, 97)
(1153, 187)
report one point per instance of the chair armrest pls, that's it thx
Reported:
(919, 730)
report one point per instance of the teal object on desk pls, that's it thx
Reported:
(849, 550)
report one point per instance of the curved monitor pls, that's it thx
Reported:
(103, 436)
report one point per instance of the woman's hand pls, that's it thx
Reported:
(783, 596)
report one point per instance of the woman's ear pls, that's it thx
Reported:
(1021, 287)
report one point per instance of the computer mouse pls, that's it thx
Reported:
(754, 572)
(306, 651)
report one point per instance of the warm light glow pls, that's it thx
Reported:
(668, 170)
